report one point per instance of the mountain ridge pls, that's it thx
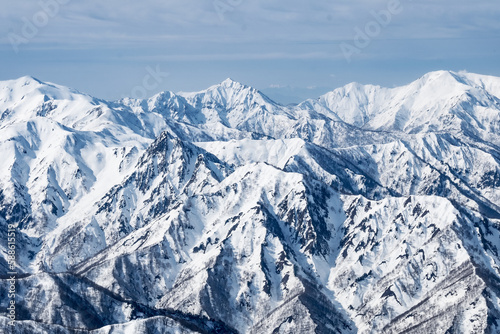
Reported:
(369, 209)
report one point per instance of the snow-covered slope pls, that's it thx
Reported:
(368, 210)
(438, 101)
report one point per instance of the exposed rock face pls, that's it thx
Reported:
(369, 210)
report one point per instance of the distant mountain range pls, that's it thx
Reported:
(367, 210)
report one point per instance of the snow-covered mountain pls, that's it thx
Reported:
(438, 101)
(367, 210)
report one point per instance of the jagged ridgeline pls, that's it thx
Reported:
(367, 210)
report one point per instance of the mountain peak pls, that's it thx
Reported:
(230, 82)
(443, 76)
(229, 87)
(29, 78)
(23, 81)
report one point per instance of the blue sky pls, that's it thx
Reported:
(106, 48)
